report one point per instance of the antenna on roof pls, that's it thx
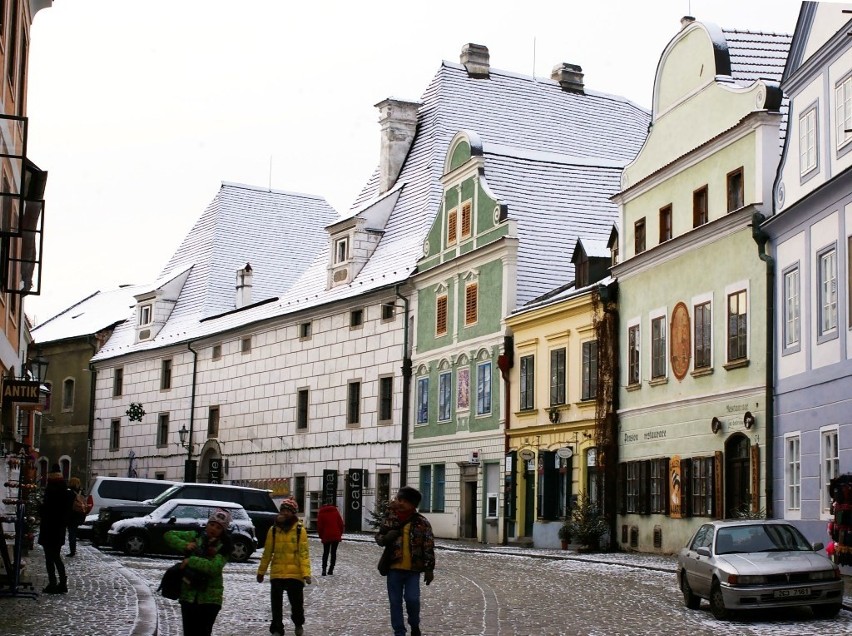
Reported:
(533, 71)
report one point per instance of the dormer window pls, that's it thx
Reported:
(146, 314)
(341, 250)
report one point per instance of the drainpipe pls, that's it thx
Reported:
(761, 238)
(505, 364)
(406, 396)
(189, 471)
(93, 380)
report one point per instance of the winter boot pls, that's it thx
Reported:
(50, 589)
(299, 631)
(415, 630)
(62, 588)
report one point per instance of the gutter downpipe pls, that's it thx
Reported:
(406, 396)
(93, 379)
(761, 238)
(188, 473)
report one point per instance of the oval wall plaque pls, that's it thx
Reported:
(681, 337)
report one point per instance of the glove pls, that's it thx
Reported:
(391, 536)
(430, 576)
(307, 580)
(260, 578)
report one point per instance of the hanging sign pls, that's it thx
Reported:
(566, 452)
(526, 454)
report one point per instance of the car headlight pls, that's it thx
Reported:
(746, 579)
(826, 575)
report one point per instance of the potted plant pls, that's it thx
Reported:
(565, 534)
(587, 524)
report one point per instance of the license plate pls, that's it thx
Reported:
(798, 591)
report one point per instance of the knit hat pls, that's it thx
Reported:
(409, 494)
(220, 516)
(290, 504)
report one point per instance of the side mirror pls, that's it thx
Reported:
(818, 546)
(172, 519)
(703, 551)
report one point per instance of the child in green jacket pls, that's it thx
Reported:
(206, 554)
(287, 549)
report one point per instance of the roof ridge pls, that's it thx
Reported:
(67, 309)
(246, 186)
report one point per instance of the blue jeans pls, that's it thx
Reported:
(403, 584)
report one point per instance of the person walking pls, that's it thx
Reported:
(54, 511)
(330, 531)
(287, 556)
(409, 550)
(75, 517)
(202, 589)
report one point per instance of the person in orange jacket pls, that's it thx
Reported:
(330, 530)
(287, 550)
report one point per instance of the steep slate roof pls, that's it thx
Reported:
(87, 317)
(509, 111)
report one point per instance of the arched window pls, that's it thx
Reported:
(42, 470)
(68, 395)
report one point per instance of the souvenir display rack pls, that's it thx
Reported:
(13, 511)
(840, 527)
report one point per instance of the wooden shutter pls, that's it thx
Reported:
(622, 488)
(686, 486)
(755, 478)
(645, 487)
(452, 226)
(441, 316)
(465, 223)
(510, 493)
(718, 496)
(666, 492)
(471, 294)
(550, 481)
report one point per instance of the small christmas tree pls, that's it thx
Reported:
(377, 514)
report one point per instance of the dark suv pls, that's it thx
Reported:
(258, 503)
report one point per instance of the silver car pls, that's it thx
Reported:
(757, 564)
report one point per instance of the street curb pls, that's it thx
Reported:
(146, 623)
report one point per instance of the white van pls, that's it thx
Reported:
(111, 491)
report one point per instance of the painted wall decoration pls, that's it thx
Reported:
(681, 347)
(463, 389)
(675, 494)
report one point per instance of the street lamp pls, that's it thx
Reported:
(38, 366)
(189, 467)
(183, 433)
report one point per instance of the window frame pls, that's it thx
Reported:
(640, 239)
(471, 304)
(166, 374)
(700, 206)
(213, 419)
(659, 344)
(702, 347)
(634, 355)
(162, 430)
(526, 383)
(808, 127)
(666, 223)
(483, 388)
(341, 250)
(452, 226)
(303, 405)
(216, 352)
(118, 382)
(826, 332)
(115, 434)
(445, 395)
(793, 475)
(305, 330)
(357, 317)
(791, 321)
(559, 376)
(737, 338)
(702, 485)
(589, 389)
(353, 404)
(146, 314)
(844, 121)
(422, 416)
(466, 229)
(441, 314)
(735, 189)
(829, 466)
(68, 396)
(385, 399)
(245, 344)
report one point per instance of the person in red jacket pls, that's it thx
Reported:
(330, 530)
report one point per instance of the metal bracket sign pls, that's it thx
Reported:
(21, 391)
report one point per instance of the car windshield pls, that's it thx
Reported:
(760, 538)
(164, 496)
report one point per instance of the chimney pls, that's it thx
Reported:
(244, 286)
(686, 21)
(476, 60)
(569, 76)
(398, 119)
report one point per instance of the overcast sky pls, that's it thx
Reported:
(139, 109)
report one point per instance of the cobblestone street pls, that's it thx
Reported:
(492, 592)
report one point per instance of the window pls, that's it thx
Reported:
(483, 388)
(581, 271)
(117, 382)
(659, 486)
(12, 42)
(466, 219)
(304, 331)
(737, 326)
(527, 397)
(353, 404)
(422, 400)
(736, 197)
(445, 392)
(452, 226)
(843, 106)
(388, 311)
(245, 345)
(827, 291)
(557, 376)
(163, 429)
(658, 347)
(68, 395)
(146, 314)
(302, 399)
(213, 422)
(829, 462)
(665, 224)
(341, 250)
(441, 315)
(702, 486)
(808, 141)
(356, 318)
(216, 353)
(432, 487)
(299, 488)
(703, 336)
(633, 355)
(386, 398)
(590, 370)
(793, 473)
(471, 293)
(699, 207)
(639, 236)
(166, 375)
(550, 489)
(631, 487)
(115, 434)
(792, 309)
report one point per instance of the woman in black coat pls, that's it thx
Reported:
(54, 512)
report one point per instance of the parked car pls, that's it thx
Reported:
(145, 535)
(757, 564)
(111, 491)
(257, 503)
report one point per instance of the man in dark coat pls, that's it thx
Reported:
(54, 512)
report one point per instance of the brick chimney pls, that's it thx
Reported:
(244, 276)
(476, 60)
(398, 119)
(569, 76)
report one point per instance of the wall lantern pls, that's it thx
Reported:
(183, 433)
(38, 367)
(748, 420)
(715, 425)
(553, 415)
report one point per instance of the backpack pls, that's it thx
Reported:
(79, 505)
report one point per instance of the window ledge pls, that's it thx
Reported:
(634, 387)
(658, 381)
(700, 373)
(737, 364)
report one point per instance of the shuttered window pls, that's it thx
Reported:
(465, 222)
(441, 316)
(452, 226)
(471, 293)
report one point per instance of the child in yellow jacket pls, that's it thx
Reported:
(287, 549)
